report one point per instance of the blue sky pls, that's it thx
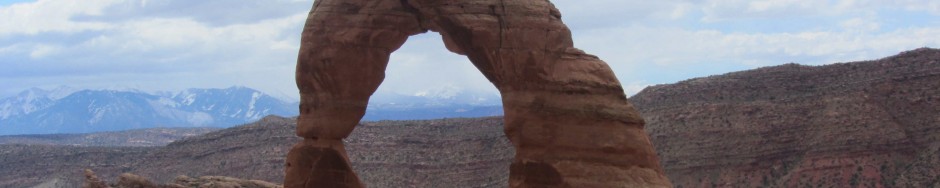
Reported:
(168, 45)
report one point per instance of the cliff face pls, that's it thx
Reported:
(873, 123)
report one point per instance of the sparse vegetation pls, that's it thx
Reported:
(429, 153)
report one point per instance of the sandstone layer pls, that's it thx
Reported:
(862, 124)
(565, 112)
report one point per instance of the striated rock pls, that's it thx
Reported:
(566, 113)
(862, 124)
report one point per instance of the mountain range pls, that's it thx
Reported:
(37, 111)
(69, 110)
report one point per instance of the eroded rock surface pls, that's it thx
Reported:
(566, 113)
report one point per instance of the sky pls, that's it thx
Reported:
(170, 45)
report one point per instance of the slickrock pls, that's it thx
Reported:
(862, 124)
(565, 112)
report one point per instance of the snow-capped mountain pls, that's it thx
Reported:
(67, 110)
(436, 97)
(31, 100)
(444, 102)
(253, 104)
(37, 112)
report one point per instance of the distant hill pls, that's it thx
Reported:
(137, 137)
(68, 110)
(866, 124)
(458, 152)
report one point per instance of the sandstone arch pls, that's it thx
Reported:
(565, 111)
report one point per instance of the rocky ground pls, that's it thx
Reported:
(869, 124)
(138, 137)
(429, 153)
(128, 180)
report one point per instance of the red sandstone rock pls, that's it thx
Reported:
(135, 181)
(92, 181)
(566, 113)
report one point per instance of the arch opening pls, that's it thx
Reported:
(425, 81)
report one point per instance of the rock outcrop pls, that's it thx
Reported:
(92, 180)
(565, 112)
(862, 124)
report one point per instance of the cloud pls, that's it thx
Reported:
(603, 13)
(423, 63)
(209, 12)
(175, 44)
(50, 16)
(726, 10)
(91, 51)
(860, 25)
(657, 55)
(41, 51)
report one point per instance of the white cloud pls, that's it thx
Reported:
(721, 10)
(653, 54)
(859, 24)
(633, 87)
(580, 14)
(423, 63)
(142, 36)
(153, 50)
(931, 6)
(50, 16)
(41, 51)
(174, 44)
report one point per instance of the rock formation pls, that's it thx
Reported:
(862, 124)
(566, 113)
(92, 181)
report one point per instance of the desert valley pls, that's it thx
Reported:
(860, 124)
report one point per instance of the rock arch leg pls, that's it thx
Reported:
(565, 111)
(345, 47)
